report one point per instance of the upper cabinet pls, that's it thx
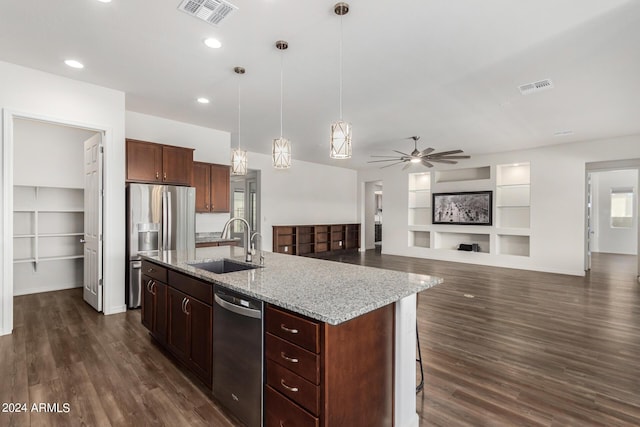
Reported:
(212, 187)
(156, 163)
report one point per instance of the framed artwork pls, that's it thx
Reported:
(463, 208)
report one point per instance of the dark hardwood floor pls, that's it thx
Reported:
(500, 347)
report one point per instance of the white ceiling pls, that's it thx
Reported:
(448, 71)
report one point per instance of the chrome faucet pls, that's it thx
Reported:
(253, 236)
(247, 236)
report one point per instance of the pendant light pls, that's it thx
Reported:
(340, 143)
(281, 147)
(238, 156)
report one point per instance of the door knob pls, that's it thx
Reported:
(83, 241)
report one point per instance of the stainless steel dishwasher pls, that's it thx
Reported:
(238, 354)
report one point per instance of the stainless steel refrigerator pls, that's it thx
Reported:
(159, 218)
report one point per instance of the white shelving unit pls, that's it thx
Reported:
(419, 209)
(48, 223)
(513, 209)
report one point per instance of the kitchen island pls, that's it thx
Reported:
(364, 317)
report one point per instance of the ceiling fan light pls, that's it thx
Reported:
(416, 160)
(238, 162)
(340, 147)
(281, 152)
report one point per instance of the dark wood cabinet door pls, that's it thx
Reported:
(219, 188)
(147, 305)
(177, 165)
(202, 183)
(178, 324)
(144, 161)
(201, 335)
(160, 311)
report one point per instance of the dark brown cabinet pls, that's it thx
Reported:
(179, 315)
(148, 162)
(212, 187)
(154, 299)
(315, 239)
(313, 368)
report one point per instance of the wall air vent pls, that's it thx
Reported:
(211, 11)
(529, 88)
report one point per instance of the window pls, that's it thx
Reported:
(622, 207)
(238, 210)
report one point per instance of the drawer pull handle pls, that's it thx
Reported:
(282, 423)
(291, 331)
(291, 389)
(287, 358)
(150, 270)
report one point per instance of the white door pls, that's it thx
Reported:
(589, 220)
(93, 221)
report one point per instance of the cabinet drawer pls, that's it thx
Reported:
(293, 328)
(296, 388)
(294, 358)
(154, 270)
(281, 412)
(192, 287)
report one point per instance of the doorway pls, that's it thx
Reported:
(245, 203)
(611, 214)
(44, 206)
(373, 196)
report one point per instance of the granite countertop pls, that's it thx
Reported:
(213, 238)
(327, 291)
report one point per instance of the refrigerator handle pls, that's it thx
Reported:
(169, 220)
(164, 221)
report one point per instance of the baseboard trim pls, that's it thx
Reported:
(50, 288)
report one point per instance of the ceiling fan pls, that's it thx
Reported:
(425, 157)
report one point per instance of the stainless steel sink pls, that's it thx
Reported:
(223, 266)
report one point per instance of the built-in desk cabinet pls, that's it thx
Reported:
(152, 163)
(315, 239)
(212, 187)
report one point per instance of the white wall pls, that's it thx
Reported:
(308, 193)
(29, 92)
(557, 204)
(54, 151)
(609, 239)
(211, 146)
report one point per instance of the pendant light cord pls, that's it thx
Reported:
(281, 89)
(238, 111)
(340, 66)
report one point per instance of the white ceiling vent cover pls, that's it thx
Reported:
(529, 88)
(211, 11)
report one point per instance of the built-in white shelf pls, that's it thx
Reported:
(510, 244)
(420, 198)
(48, 224)
(420, 239)
(513, 196)
(452, 240)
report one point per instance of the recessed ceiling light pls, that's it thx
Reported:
(203, 100)
(213, 43)
(104, 1)
(74, 64)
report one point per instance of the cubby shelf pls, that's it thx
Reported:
(47, 224)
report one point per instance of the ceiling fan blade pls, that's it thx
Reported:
(452, 157)
(385, 160)
(392, 164)
(448, 162)
(426, 163)
(446, 153)
(427, 151)
(400, 152)
(407, 166)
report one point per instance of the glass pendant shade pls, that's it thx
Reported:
(238, 162)
(281, 150)
(340, 140)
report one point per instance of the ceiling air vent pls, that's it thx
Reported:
(529, 88)
(211, 11)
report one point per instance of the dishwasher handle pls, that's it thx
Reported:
(238, 309)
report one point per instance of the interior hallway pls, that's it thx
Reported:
(500, 347)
